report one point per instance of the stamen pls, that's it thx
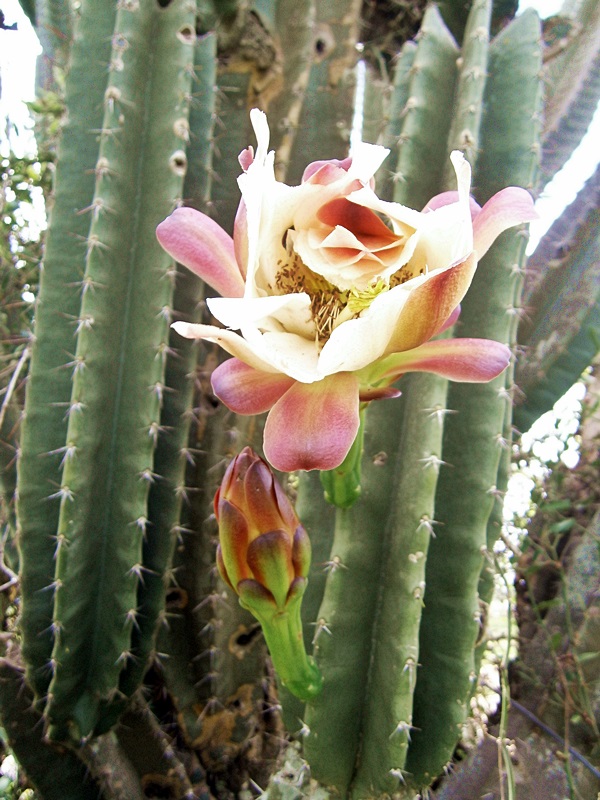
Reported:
(326, 300)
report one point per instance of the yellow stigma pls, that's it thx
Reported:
(361, 299)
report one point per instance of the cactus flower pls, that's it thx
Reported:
(264, 556)
(336, 293)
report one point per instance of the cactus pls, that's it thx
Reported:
(139, 655)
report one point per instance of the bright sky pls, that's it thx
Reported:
(18, 52)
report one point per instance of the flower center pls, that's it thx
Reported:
(327, 302)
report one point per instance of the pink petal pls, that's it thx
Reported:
(445, 198)
(462, 360)
(430, 305)
(509, 207)
(313, 425)
(451, 319)
(240, 237)
(324, 172)
(234, 540)
(197, 242)
(355, 218)
(246, 390)
(246, 157)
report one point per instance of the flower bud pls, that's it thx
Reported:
(264, 556)
(263, 550)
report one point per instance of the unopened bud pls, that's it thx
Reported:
(264, 556)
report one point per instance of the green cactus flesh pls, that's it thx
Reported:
(118, 379)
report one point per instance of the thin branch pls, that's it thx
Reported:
(12, 383)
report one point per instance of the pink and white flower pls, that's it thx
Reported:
(329, 294)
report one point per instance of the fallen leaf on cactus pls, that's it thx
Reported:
(336, 293)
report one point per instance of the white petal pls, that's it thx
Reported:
(445, 236)
(288, 312)
(463, 175)
(400, 216)
(366, 160)
(293, 355)
(259, 122)
(231, 342)
(358, 342)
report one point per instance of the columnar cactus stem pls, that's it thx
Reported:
(172, 454)
(468, 102)
(473, 436)
(330, 93)
(9, 444)
(49, 383)
(59, 774)
(386, 177)
(119, 363)
(388, 718)
(342, 634)
(427, 114)
(54, 25)
(295, 25)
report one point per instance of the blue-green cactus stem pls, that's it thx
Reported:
(246, 69)
(468, 103)
(200, 151)
(560, 334)
(174, 451)
(294, 25)
(474, 434)
(28, 7)
(330, 92)
(388, 719)
(56, 772)
(422, 154)
(342, 484)
(118, 381)
(572, 88)
(385, 178)
(10, 417)
(495, 523)
(49, 382)
(172, 454)
(54, 27)
(232, 135)
(375, 102)
(149, 749)
(343, 626)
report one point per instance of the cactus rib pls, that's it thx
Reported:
(49, 384)
(118, 379)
